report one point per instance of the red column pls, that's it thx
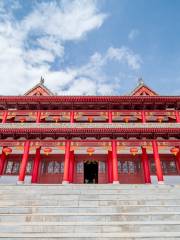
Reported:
(145, 163)
(114, 162)
(177, 116)
(66, 162)
(2, 161)
(110, 116)
(4, 117)
(72, 117)
(36, 166)
(109, 163)
(24, 161)
(159, 171)
(143, 116)
(71, 167)
(38, 117)
(178, 162)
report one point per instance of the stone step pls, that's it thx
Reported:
(92, 196)
(60, 209)
(95, 236)
(63, 191)
(48, 192)
(84, 227)
(72, 217)
(88, 203)
(88, 186)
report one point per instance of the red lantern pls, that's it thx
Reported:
(56, 118)
(90, 151)
(7, 150)
(160, 119)
(90, 119)
(126, 119)
(47, 151)
(133, 151)
(174, 151)
(22, 119)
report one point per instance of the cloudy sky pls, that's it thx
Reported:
(89, 47)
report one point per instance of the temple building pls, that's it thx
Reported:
(134, 139)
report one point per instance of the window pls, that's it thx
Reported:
(79, 167)
(12, 167)
(102, 167)
(129, 167)
(52, 167)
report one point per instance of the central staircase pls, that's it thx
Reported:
(92, 212)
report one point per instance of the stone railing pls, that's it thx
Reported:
(89, 125)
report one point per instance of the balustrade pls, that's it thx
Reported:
(87, 116)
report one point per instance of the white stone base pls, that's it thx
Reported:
(160, 182)
(115, 182)
(65, 182)
(20, 182)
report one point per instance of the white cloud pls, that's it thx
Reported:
(134, 33)
(30, 46)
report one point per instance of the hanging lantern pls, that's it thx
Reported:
(160, 119)
(133, 151)
(174, 151)
(126, 119)
(90, 151)
(22, 119)
(90, 119)
(56, 118)
(7, 150)
(47, 151)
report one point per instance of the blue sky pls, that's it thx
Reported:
(90, 47)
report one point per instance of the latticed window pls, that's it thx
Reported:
(52, 167)
(129, 167)
(29, 167)
(79, 167)
(169, 167)
(12, 167)
(102, 167)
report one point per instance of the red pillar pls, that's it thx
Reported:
(36, 166)
(110, 116)
(71, 167)
(72, 117)
(38, 117)
(143, 116)
(145, 163)
(114, 162)
(109, 163)
(66, 162)
(24, 161)
(2, 161)
(4, 117)
(178, 162)
(159, 171)
(177, 116)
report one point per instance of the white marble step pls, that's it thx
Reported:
(108, 209)
(69, 217)
(95, 236)
(88, 203)
(93, 227)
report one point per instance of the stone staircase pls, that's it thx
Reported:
(83, 212)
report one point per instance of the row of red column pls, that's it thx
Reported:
(38, 117)
(112, 163)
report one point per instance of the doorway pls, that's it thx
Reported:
(90, 172)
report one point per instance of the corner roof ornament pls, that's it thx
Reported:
(42, 80)
(140, 81)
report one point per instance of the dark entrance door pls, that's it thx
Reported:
(90, 172)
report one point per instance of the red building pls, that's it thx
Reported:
(46, 138)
